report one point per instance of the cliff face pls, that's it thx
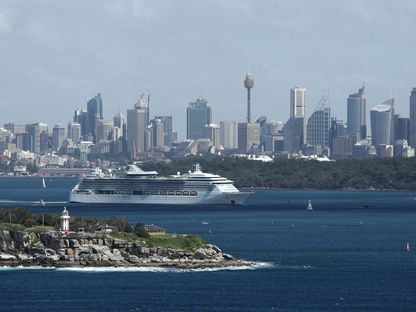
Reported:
(90, 249)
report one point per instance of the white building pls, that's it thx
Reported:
(298, 106)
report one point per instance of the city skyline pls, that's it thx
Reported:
(119, 48)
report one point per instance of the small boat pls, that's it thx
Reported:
(407, 248)
(42, 203)
(204, 222)
(43, 183)
(309, 207)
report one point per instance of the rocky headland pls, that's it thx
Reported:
(72, 249)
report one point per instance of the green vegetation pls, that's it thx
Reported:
(21, 217)
(40, 229)
(11, 227)
(379, 173)
(185, 242)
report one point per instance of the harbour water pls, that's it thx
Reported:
(346, 255)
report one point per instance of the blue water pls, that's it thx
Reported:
(346, 255)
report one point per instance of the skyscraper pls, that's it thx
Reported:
(36, 132)
(319, 125)
(74, 132)
(293, 134)
(248, 84)
(356, 114)
(401, 128)
(120, 121)
(228, 134)
(58, 136)
(158, 134)
(94, 111)
(81, 117)
(198, 115)
(248, 136)
(103, 129)
(382, 123)
(412, 116)
(212, 132)
(137, 126)
(298, 107)
(167, 129)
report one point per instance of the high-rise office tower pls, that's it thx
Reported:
(58, 136)
(198, 115)
(36, 131)
(95, 111)
(228, 134)
(212, 132)
(412, 117)
(167, 129)
(401, 128)
(356, 114)
(120, 121)
(293, 134)
(248, 84)
(262, 121)
(81, 117)
(137, 126)
(15, 128)
(248, 136)
(103, 129)
(382, 123)
(319, 125)
(298, 107)
(158, 133)
(74, 132)
(23, 141)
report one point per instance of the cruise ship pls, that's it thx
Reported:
(146, 187)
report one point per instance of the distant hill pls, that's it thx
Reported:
(376, 173)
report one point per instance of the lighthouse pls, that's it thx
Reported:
(65, 220)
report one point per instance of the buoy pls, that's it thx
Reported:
(407, 247)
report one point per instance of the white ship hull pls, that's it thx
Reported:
(212, 198)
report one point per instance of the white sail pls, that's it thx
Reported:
(43, 183)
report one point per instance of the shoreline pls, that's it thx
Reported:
(112, 265)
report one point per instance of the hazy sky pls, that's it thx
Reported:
(55, 55)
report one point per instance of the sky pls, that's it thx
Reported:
(56, 55)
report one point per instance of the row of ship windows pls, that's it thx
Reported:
(168, 193)
(160, 187)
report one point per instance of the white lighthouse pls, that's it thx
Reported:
(65, 220)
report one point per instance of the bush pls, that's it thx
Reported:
(140, 230)
(30, 222)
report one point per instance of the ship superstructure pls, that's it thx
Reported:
(146, 187)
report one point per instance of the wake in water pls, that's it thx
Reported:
(254, 266)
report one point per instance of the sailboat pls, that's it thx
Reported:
(407, 248)
(42, 203)
(309, 207)
(43, 183)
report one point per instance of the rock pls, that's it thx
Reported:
(227, 256)
(4, 256)
(213, 247)
(69, 252)
(117, 255)
(73, 243)
(134, 259)
(49, 251)
(145, 250)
